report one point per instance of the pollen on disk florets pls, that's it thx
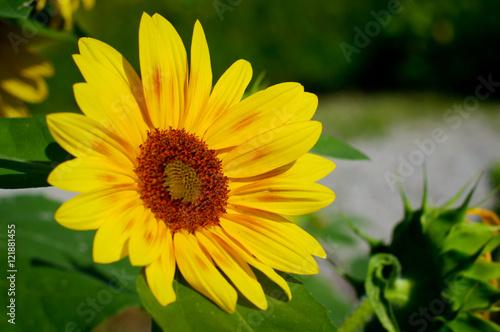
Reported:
(181, 180)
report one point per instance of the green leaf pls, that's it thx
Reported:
(383, 271)
(28, 153)
(193, 312)
(358, 317)
(483, 271)
(470, 323)
(330, 295)
(332, 147)
(57, 286)
(467, 238)
(469, 294)
(15, 8)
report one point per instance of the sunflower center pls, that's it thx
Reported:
(181, 180)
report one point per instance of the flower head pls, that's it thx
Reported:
(64, 10)
(22, 73)
(178, 175)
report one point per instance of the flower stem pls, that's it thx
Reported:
(357, 318)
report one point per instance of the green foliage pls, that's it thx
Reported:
(332, 147)
(28, 153)
(442, 279)
(57, 286)
(15, 8)
(282, 315)
(467, 322)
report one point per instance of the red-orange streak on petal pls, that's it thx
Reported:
(106, 177)
(100, 147)
(277, 198)
(246, 121)
(201, 263)
(157, 80)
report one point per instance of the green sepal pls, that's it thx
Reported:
(483, 271)
(383, 271)
(466, 322)
(468, 294)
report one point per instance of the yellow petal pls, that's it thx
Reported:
(255, 115)
(279, 229)
(227, 92)
(40, 4)
(287, 197)
(272, 149)
(32, 90)
(230, 244)
(268, 250)
(200, 78)
(147, 243)
(160, 273)
(111, 59)
(29, 64)
(84, 137)
(67, 8)
(86, 174)
(90, 210)
(88, 4)
(123, 101)
(113, 75)
(164, 70)
(306, 109)
(110, 241)
(488, 217)
(200, 272)
(11, 107)
(235, 268)
(97, 105)
(308, 168)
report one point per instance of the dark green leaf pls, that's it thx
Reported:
(483, 271)
(383, 271)
(469, 294)
(15, 8)
(193, 312)
(45, 31)
(470, 323)
(27, 152)
(58, 287)
(468, 238)
(330, 295)
(332, 147)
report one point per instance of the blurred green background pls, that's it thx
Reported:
(441, 46)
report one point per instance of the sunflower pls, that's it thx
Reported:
(22, 73)
(178, 175)
(64, 10)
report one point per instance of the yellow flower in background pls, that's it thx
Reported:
(489, 218)
(175, 174)
(22, 73)
(65, 10)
